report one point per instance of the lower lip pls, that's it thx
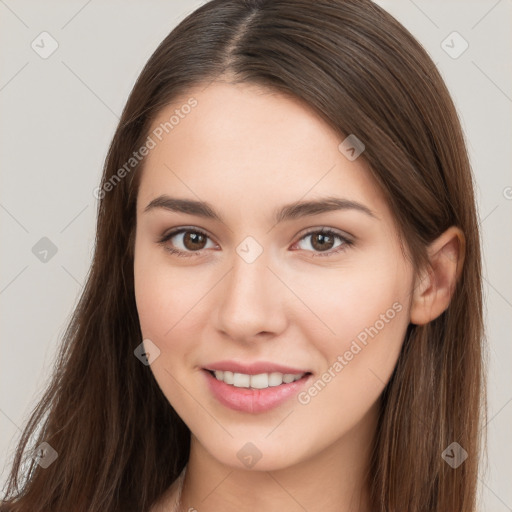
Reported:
(253, 400)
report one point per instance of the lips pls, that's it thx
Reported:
(252, 399)
(254, 368)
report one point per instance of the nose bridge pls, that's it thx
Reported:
(251, 300)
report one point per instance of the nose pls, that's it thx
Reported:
(252, 301)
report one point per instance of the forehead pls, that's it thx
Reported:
(244, 146)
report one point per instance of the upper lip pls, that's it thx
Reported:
(254, 368)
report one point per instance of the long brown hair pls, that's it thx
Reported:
(120, 444)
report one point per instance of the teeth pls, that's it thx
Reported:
(275, 379)
(240, 380)
(260, 381)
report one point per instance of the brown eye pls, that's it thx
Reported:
(194, 241)
(324, 241)
(186, 242)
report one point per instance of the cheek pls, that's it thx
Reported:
(164, 294)
(173, 309)
(152, 300)
(368, 312)
(165, 299)
(363, 300)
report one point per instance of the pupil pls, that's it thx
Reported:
(193, 239)
(322, 241)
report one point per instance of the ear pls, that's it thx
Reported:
(434, 288)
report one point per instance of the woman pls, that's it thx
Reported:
(284, 307)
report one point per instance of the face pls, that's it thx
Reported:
(279, 267)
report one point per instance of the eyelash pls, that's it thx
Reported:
(325, 231)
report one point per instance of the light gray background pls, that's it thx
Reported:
(59, 114)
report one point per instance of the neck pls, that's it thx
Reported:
(332, 480)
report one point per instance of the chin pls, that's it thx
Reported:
(256, 455)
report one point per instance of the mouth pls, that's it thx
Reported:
(258, 381)
(254, 393)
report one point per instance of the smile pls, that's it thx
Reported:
(254, 393)
(260, 381)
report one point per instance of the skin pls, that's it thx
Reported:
(247, 151)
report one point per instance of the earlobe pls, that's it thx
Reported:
(435, 286)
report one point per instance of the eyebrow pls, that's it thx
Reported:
(287, 212)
